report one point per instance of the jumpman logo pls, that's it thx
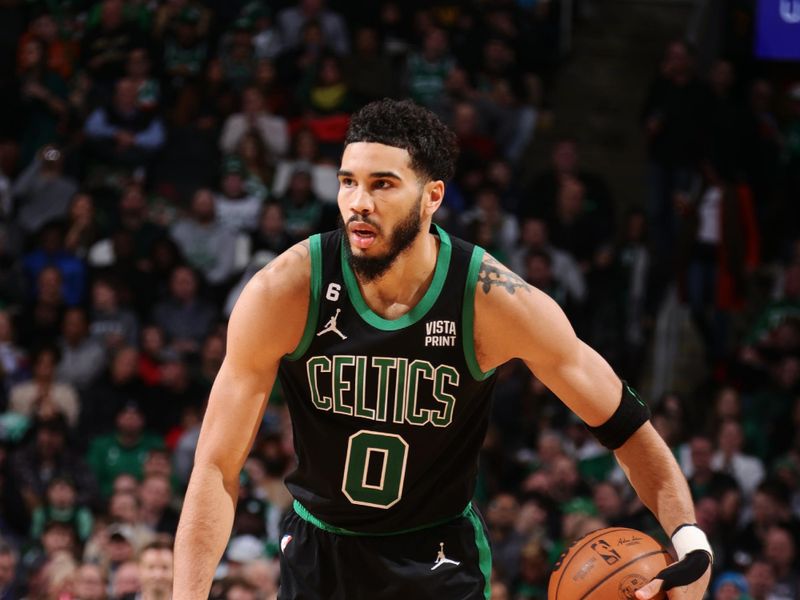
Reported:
(441, 558)
(331, 326)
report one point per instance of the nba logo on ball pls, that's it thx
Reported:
(607, 564)
(285, 542)
(606, 552)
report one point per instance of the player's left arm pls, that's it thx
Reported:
(516, 320)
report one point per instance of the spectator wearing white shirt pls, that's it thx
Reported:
(305, 153)
(236, 208)
(266, 34)
(44, 395)
(208, 245)
(748, 471)
(274, 130)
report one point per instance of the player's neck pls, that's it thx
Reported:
(399, 289)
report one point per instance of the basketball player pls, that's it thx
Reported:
(385, 335)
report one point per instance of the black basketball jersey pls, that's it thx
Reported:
(388, 415)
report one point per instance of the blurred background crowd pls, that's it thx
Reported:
(154, 154)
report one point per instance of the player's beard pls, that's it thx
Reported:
(369, 268)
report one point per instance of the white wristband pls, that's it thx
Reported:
(689, 538)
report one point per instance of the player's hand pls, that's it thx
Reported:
(680, 580)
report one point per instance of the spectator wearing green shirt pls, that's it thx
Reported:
(62, 506)
(428, 68)
(124, 450)
(185, 49)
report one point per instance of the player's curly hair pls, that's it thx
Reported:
(401, 123)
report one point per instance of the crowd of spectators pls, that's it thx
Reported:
(154, 155)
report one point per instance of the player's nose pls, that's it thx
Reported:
(361, 202)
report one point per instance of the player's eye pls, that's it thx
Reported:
(381, 184)
(347, 182)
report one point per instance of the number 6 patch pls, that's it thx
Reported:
(332, 293)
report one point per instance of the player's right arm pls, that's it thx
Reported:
(267, 323)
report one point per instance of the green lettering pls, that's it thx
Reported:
(384, 365)
(314, 364)
(400, 390)
(361, 385)
(340, 384)
(417, 368)
(445, 375)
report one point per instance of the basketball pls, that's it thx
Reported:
(607, 564)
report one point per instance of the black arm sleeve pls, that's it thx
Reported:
(631, 414)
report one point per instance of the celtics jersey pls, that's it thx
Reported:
(388, 415)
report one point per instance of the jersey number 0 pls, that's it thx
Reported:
(364, 447)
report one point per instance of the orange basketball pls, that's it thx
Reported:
(607, 564)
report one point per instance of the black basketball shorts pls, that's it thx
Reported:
(448, 561)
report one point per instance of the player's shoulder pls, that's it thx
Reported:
(288, 273)
(274, 304)
(280, 287)
(507, 308)
(499, 305)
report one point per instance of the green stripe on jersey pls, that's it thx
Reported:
(315, 249)
(303, 513)
(468, 315)
(422, 307)
(484, 552)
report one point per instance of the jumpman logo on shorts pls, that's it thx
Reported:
(331, 326)
(441, 558)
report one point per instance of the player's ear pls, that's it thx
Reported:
(433, 195)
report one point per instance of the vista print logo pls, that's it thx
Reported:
(790, 11)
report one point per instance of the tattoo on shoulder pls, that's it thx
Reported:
(494, 274)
